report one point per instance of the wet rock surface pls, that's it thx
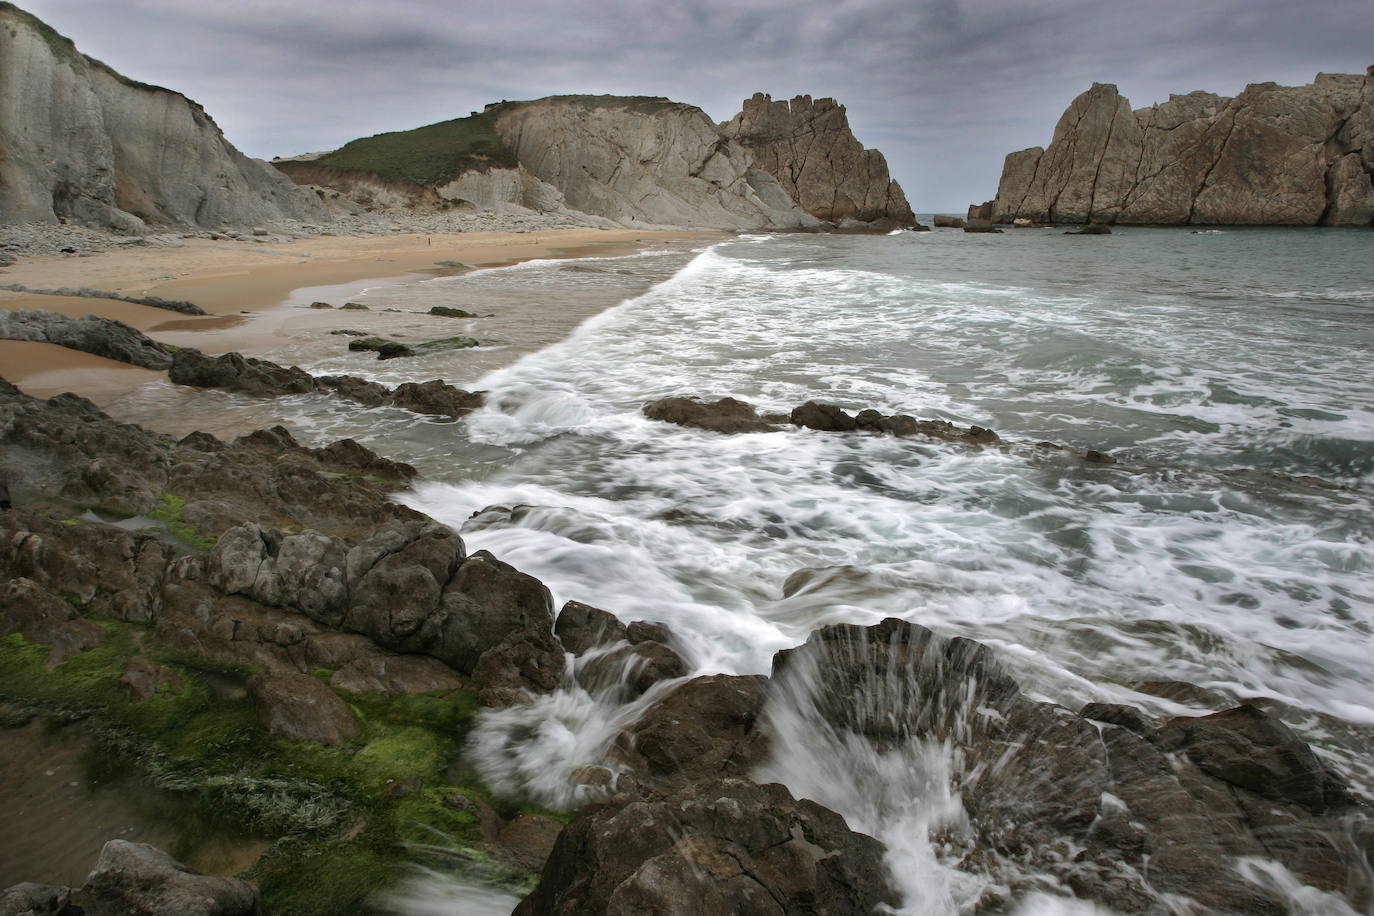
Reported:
(97, 336)
(134, 878)
(1117, 808)
(235, 372)
(262, 553)
(722, 846)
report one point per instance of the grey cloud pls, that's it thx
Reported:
(944, 87)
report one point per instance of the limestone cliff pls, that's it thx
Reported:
(644, 161)
(1273, 155)
(80, 142)
(808, 147)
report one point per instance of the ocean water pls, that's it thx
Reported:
(1230, 547)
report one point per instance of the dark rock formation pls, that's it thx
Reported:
(85, 144)
(1180, 801)
(91, 334)
(724, 416)
(85, 292)
(702, 729)
(808, 147)
(392, 349)
(235, 372)
(1273, 155)
(581, 627)
(721, 847)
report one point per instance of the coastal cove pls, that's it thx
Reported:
(1216, 555)
(556, 500)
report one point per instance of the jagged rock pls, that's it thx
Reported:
(1274, 155)
(724, 847)
(1119, 811)
(808, 148)
(88, 145)
(824, 417)
(236, 372)
(487, 602)
(297, 707)
(1249, 748)
(436, 398)
(702, 729)
(626, 672)
(91, 334)
(581, 627)
(109, 571)
(444, 311)
(42, 617)
(724, 416)
(392, 349)
(134, 879)
(644, 162)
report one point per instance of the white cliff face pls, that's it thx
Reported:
(1273, 155)
(645, 162)
(79, 142)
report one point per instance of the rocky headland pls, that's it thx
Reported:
(632, 161)
(1272, 156)
(88, 148)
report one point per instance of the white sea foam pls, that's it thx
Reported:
(1085, 579)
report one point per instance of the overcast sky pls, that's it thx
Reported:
(945, 88)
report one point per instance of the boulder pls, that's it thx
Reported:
(723, 847)
(102, 337)
(702, 729)
(825, 417)
(134, 879)
(581, 627)
(626, 672)
(947, 222)
(298, 707)
(30, 899)
(42, 617)
(726, 415)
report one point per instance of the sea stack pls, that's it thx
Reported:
(1272, 156)
(808, 147)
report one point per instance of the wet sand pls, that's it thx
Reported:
(254, 292)
(58, 818)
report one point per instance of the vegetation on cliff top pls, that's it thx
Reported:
(427, 156)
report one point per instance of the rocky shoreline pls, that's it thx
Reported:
(259, 628)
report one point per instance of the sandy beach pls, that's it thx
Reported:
(236, 280)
